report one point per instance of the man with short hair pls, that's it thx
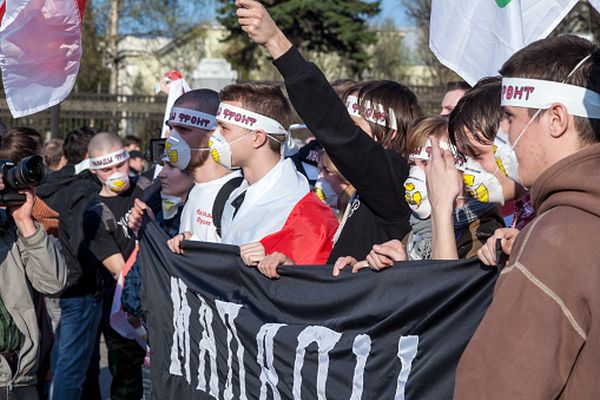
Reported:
(108, 245)
(273, 210)
(454, 92)
(192, 120)
(540, 338)
(136, 162)
(54, 156)
(131, 143)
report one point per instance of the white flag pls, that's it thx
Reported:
(177, 87)
(475, 37)
(40, 51)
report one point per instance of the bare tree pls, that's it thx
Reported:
(389, 56)
(143, 18)
(420, 11)
(582, 20)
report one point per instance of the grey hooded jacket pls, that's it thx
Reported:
(31, 262)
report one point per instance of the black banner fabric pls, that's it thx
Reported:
(218, 329)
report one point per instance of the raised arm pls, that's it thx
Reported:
(376, 173)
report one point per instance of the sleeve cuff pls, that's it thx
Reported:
(291, 64)
(36, 239)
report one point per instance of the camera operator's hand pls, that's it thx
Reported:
(22, 214)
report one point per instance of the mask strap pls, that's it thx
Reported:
(579, 64)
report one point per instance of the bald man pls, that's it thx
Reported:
(108, 245)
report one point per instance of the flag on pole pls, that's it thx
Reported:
(475, 37)
(40, 51)
(177, 87)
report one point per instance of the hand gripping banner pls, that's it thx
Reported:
(218, 329)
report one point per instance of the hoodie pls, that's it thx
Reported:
(540, 338)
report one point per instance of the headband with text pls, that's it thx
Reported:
(249, 120)
(195, 119)
(373, 113)
(541, 94)
(424, 153)
(108, 160)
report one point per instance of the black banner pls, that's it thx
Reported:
(218, 329)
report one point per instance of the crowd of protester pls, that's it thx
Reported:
(380, 184)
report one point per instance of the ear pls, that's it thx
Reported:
(558, 120)
(260, 138)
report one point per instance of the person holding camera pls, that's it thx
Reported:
(29, 259)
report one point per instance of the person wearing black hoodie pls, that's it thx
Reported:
(369, 161)
(69, 193)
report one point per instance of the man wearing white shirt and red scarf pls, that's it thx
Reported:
(273, 216)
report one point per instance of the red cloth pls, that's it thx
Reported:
(307, 235)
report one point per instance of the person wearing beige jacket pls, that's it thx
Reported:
(28, 260)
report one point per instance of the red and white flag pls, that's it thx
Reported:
(283, 214)
(40, 51)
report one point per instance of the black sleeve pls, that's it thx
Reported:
(377, 174)
(100, 243)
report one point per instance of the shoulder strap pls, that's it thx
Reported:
(108, 218)
(221, 199)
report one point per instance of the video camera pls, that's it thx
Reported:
(27, 173)
(155, 151)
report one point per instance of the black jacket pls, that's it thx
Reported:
(380, 212)
(69, 194)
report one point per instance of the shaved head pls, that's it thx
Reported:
(203, 100)
(103, 143)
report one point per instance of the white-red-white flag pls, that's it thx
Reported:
(40, 52)
(177, 87)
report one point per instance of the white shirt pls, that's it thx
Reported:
(266, 206)
(196, 216)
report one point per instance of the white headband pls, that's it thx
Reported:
(108, 160)
(195, 119)
(424, 152)
(249, 120)
(541, 94)
(375, 113)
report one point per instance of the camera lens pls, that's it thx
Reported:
(29, 172)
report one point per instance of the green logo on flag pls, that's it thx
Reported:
(503, 3)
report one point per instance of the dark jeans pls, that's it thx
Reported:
(19, 393)
(125, 359)
(74, 345)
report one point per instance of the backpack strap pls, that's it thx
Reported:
(221, 200)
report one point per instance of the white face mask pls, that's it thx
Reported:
(482, 185)
(170, 205)
(505, 156)
(416, 193)
(220, 148)
(178, 152)
(505, 153)
(325, 192)
(117, 182)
